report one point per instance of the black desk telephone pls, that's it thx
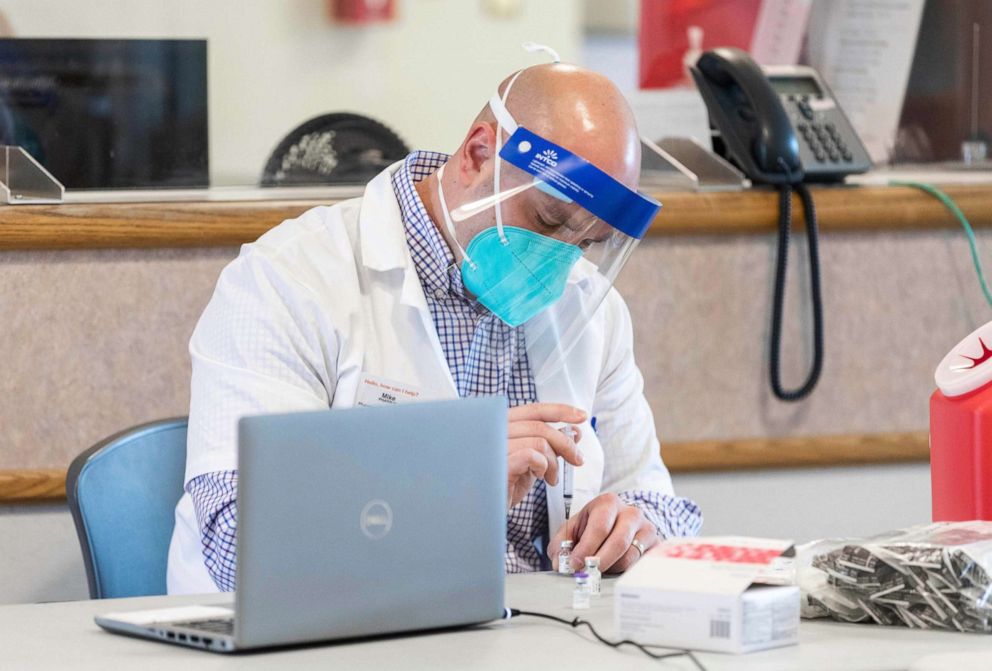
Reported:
(781, 126)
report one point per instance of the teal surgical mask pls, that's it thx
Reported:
(514, 272)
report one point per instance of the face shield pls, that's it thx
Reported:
(554, 230)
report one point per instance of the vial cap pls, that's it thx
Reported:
(592, 562)
(566, 545)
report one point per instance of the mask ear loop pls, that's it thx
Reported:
(447, 219)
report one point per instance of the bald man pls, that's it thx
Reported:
(430, 282)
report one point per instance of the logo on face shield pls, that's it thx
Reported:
(548, 156)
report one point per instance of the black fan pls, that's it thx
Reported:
(337, 148)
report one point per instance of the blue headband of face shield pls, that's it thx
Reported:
(572, 178)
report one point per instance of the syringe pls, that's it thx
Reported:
(566, 472)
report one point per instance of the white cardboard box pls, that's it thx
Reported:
(724, 594)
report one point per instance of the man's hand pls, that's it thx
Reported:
(605, 528)
(534, 447)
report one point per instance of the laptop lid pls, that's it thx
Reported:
(368, 521)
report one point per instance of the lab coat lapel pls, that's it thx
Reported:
(384, 248)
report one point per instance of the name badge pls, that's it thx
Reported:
(374, 390)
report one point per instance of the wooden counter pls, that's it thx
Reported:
(220, 224)
(41, 485)
(215, 224)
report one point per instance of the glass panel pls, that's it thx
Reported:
(23, 180)
(109, 113)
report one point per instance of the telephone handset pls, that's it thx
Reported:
(758, 116)
(780, 124)
(752, 123)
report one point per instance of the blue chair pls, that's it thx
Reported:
(122, 493)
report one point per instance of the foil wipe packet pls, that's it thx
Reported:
(931, 576)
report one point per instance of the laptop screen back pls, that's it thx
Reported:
(370, 520)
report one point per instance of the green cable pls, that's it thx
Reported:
(956, 211)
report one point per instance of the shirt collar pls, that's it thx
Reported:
(432, 258)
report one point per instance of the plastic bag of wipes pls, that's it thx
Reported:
(724, 594)
(932, 576)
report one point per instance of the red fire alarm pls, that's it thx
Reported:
(362, 11)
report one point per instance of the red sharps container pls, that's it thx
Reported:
(961, 431)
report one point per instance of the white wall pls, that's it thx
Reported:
(805, 505)
(40, 559)
(273, 65)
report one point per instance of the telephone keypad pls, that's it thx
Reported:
(823, 139)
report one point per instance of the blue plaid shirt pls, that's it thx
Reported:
(486, 357)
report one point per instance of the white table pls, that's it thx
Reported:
(63, 636)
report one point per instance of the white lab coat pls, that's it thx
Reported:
(304, 311)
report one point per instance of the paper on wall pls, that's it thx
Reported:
(864, 49)
(779, 30)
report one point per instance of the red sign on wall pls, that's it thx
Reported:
(362, 11)
(664, 36)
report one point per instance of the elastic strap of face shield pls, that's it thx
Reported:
(503, 117)
(498, 104)
(505, 120)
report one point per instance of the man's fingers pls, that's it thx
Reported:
(648, 537)
(531, 459)
(628, 523)
(547, 412)
(560, 443)
(540, 459)
(571, 529)
(598, 528)
(565, 531)
(524, 467)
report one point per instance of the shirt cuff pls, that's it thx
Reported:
(671, 515)
(215, 501)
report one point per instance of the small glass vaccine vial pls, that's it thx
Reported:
(565, 558)
(595, 576)
(580, 596)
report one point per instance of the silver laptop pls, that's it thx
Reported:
(355, 523)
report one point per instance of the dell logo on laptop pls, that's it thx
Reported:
(376, 519)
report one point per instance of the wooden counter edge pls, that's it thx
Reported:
(218, 224)
(41, 485)
(796, 452)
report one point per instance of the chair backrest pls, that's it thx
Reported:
(122, 493)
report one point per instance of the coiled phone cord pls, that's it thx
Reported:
(784, 227)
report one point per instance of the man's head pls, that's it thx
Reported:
(549, 167)
(572, 107)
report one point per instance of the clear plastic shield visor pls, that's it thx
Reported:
(557, 232)
(526, 208)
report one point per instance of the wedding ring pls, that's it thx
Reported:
(639, 546)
